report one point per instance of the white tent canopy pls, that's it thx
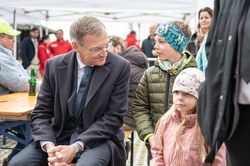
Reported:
(20, 18)
(130, 11)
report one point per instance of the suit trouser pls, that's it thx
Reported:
(238, 147)
(35, 156)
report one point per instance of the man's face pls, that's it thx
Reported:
(34, 34)
(92, 51)
(152, 29)
(59, 35)
(7, 41)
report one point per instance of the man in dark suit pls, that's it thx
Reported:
(29, 47)
(90, 132)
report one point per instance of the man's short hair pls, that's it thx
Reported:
(85, 25)
(34, 29)
(116, 40)
(132, 32)
(59, 30)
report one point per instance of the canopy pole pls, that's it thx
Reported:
(15, 37)
(139, 34)
(41, 31)
(47, 17)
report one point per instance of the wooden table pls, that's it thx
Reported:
(17, 106)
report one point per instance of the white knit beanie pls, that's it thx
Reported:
(189, 80)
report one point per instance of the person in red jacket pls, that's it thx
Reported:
(43, 52)
(59, 46)
(131, 40)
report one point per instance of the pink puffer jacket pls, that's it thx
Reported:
(171, 154)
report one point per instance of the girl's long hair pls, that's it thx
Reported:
(196, 133)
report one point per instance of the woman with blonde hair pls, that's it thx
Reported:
(178, 140)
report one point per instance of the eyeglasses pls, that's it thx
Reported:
(98, 50)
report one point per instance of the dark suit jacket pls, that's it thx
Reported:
(27, 51)
(105, 105)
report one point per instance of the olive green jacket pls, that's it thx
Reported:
(150, 98)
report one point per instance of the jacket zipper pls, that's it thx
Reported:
(167, 92)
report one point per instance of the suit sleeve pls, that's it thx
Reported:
(41, 117)
(212, 27)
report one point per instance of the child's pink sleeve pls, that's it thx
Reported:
(220, 158)
(157, 149)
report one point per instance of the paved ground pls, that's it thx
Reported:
(5, 152)
(140, 154)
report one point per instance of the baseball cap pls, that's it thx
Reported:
(7, 29)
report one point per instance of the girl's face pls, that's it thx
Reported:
(165, 51)
(205, 20)
(184, 102)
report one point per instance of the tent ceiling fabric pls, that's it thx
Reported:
(20, 18)
(132, 11)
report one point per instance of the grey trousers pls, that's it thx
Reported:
(33, 156)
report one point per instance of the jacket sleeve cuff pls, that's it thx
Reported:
(147, 136)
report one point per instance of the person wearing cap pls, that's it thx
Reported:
(178, 139)
(13, 77)
(29, 47)
(153, 95)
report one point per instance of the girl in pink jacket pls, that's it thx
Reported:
(178, 140)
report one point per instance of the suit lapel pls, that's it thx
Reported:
(65, 78)
(99, 76)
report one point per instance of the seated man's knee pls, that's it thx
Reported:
(98, 156)
(29, 156)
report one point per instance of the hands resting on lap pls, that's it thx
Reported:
(60, 155)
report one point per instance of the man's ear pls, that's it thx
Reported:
(75, 46)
